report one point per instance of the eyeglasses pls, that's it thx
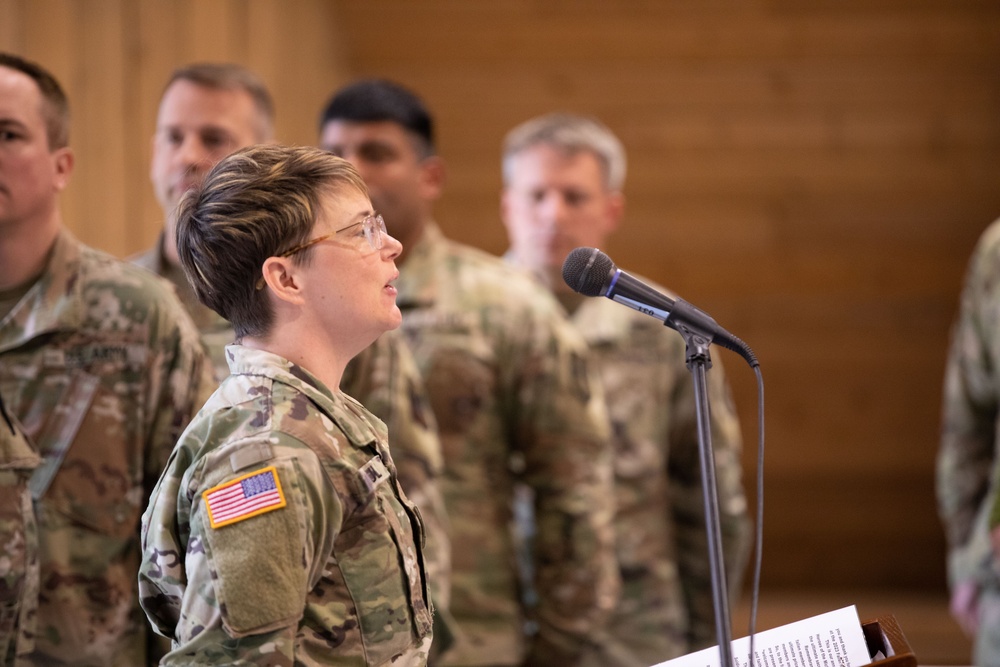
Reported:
(372, 226)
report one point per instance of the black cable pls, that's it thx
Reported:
(759, 529)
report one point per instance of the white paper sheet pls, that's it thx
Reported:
(833, 639)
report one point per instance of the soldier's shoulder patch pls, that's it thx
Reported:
(244, 497)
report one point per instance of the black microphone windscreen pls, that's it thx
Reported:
(586, 270)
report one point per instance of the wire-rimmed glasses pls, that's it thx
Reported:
(373, 227)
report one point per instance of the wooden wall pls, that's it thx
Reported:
(813, 174)
(114, 57)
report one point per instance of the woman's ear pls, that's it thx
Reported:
(281, 276)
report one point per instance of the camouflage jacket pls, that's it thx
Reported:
(515, 401)
(384, 378)
(278, 533)
(666, 608)
(19, 546)
(967, 463)
(102, 367)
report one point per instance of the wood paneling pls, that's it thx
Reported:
(114, 57)
(812, 174)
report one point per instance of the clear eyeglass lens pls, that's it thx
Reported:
(375, 231)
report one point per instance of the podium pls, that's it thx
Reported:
(884, 634)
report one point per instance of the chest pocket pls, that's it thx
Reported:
(460, 370)
(19, 543)
(89, 434)
(392, 606)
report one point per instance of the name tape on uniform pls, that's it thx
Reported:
(244, 497)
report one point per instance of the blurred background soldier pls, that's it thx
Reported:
(18, 542)
(515, 400)
(563, 179)
(103, 369)
(967, 463)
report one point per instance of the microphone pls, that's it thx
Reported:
(590, 272)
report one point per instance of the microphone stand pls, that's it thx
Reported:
(698, 362)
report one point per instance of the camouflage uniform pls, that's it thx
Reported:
(666, 608)
(515, 401)
(328, 571)
(967, 465)
(101, 366)
(385, 379)
(216, 332)
(18, 542)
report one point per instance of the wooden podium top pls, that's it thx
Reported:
(884, 634)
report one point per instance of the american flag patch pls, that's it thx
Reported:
(244, 497)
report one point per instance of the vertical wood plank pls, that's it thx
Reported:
(11, 30)
(158, 57)
(98, 198)
(297, 48)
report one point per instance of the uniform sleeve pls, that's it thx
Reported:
(966, 456)
(163, 543)
(247, 576)
(563, 433)
(180, 381)
(385, 379)
(688, 505)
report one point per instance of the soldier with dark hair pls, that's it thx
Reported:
(513, 394)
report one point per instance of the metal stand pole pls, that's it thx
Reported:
(698, 362)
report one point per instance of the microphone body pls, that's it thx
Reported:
(590, 272)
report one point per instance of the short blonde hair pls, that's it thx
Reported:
(254, 204)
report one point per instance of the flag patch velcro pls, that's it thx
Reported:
(244, 497)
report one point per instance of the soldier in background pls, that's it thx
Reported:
(18, 542)
(967, 463)
(102, 368)
(513, 394)
(563, 178)
(207, 111)
(279, 534)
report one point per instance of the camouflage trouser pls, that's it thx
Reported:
(986, 648)
(18, 542)
(18, 566)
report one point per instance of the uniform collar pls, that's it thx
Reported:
(598, 319)
(153, 259)
(419, 279)
(245, 361)
(53, 303)
(249, 361)
(204, 318)
(601, 320)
